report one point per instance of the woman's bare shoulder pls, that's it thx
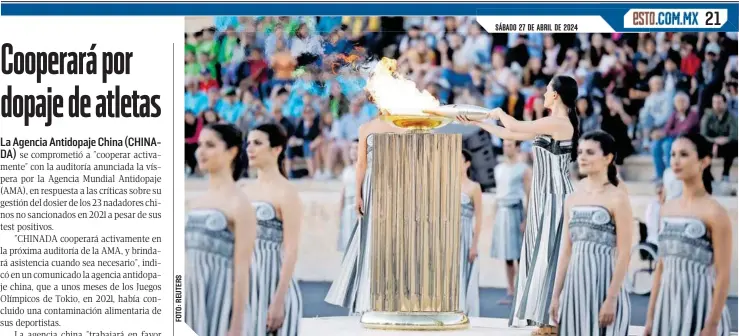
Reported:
(617, 197)
(713, 213)
(368, 126)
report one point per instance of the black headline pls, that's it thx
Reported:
(47, 105)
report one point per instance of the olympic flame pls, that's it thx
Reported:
(394, 94)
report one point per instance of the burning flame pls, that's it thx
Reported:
(393, 93)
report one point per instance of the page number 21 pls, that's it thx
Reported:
(712, 18)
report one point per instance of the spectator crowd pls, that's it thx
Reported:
(306, 73)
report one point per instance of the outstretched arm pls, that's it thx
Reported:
(504, 133)
(548, 126)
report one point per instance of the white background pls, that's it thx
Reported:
(155, 42)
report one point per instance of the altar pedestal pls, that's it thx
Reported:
(416, 205)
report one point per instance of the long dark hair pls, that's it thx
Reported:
(566, 88)
(608, 146)
(232, 137)
(467, 158)
(704, 149)
(277, 137)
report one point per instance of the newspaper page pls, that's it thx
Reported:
(460, 168)
(87, 176)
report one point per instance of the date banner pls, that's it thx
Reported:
(544, 24)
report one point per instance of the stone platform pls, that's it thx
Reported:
(350, 326)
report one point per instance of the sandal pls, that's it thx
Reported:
(545, 331)
(540, 331)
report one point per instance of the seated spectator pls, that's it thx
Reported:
(533, 74)
(651, 215)
(346, 130)
(420, 60)
(518, 52)
(336, 44)
(205, 63)
(229, 107)
(465, 96)
(476, 46)
(338, 103)
(323, 157)
(553, 55)
(732, 102)
(540, 87)
(673, 78)
(298, 104)
(689, 62)
(410, 39)
(682, 121)
(720, 127)
(608, 59)
(192, 68)
(305, 47)
(648, 52)
(638, 88)
(230, 54)
(570, 65)
(283, 64)
(657, 109)
(539, 111)
(214, 98)
(208, 46)
(210, 117)
(514, 101)
(275, 39)
(193, 125)
(596, 51)
(254, 115)
(477, 82)
(302, 143)
(206, 81)
(589, 121)
(616, 121)
(500, 75)
(195, 100)
(710, 76)
(253, 72)
(456, 67)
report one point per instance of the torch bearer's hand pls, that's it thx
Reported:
(464, 120)
(495, 114)
(358, 205)
(473, 254)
